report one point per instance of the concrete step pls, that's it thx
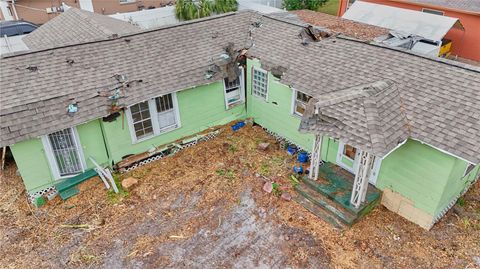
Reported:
(320, 212)
(65, 194)
(68, 183)
(339, 212)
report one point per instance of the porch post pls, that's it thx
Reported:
(316, 157)
(360, 185)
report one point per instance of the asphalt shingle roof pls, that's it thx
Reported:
(76, 26)
(434, 101)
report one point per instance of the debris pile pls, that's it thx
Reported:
(189, 197)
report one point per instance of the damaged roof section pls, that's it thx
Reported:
(338, 25)
(432, 100)
(379, 124)
(77, 26)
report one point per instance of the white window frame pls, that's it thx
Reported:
(433, 11)
(154, 118)
(51, 158)
(126, 1)
(467, 170)
(294, 103)
(242, 92)
(266, 83)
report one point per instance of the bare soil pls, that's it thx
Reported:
(205, 208)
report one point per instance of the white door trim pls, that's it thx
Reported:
(353, 169)
(51, 159)
(377, 163)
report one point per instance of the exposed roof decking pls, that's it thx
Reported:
(440, 97)
(339, 25)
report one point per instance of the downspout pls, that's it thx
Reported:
(105, 143)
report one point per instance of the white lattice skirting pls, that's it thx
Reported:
(169, 151)
(283, 141)
(34, 195)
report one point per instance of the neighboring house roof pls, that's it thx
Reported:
(339, 25)
(465, 5)
(433, 100)
(76, 26)
(430, 26)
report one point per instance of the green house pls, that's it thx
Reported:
(405, 124)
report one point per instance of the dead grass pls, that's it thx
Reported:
(180, 197)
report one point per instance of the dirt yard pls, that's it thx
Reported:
(205, 208)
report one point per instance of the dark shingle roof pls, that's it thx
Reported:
(76, 26)
(466, 5)
(437, 98)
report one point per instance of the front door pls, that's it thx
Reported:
(347, 157)
(64, 153)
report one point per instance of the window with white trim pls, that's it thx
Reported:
(141, 120)
(153, 117)
(234, 91)
(166, 114)
(300, 102)
(127, 1)
(468, 169)
(260, 83)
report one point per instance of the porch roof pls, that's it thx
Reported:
(370, 116)
(440, 97)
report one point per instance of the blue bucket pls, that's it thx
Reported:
(238, 125)
(302, 157)
(298, 169)
(291, 149)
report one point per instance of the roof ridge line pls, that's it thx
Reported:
(21, 53)
(449, 62)
(344, 37)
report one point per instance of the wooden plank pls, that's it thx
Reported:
(141, 156)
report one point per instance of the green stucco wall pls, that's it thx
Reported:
(329, 149)
(92, 143)
(275, 114)
(33, 164)
(200, 108)
(456, 183)
(418, 172)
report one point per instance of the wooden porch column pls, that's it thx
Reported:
(360, 185)
(316, 158)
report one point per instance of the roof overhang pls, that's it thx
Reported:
(429, 26)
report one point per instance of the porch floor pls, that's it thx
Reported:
(329, 196)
